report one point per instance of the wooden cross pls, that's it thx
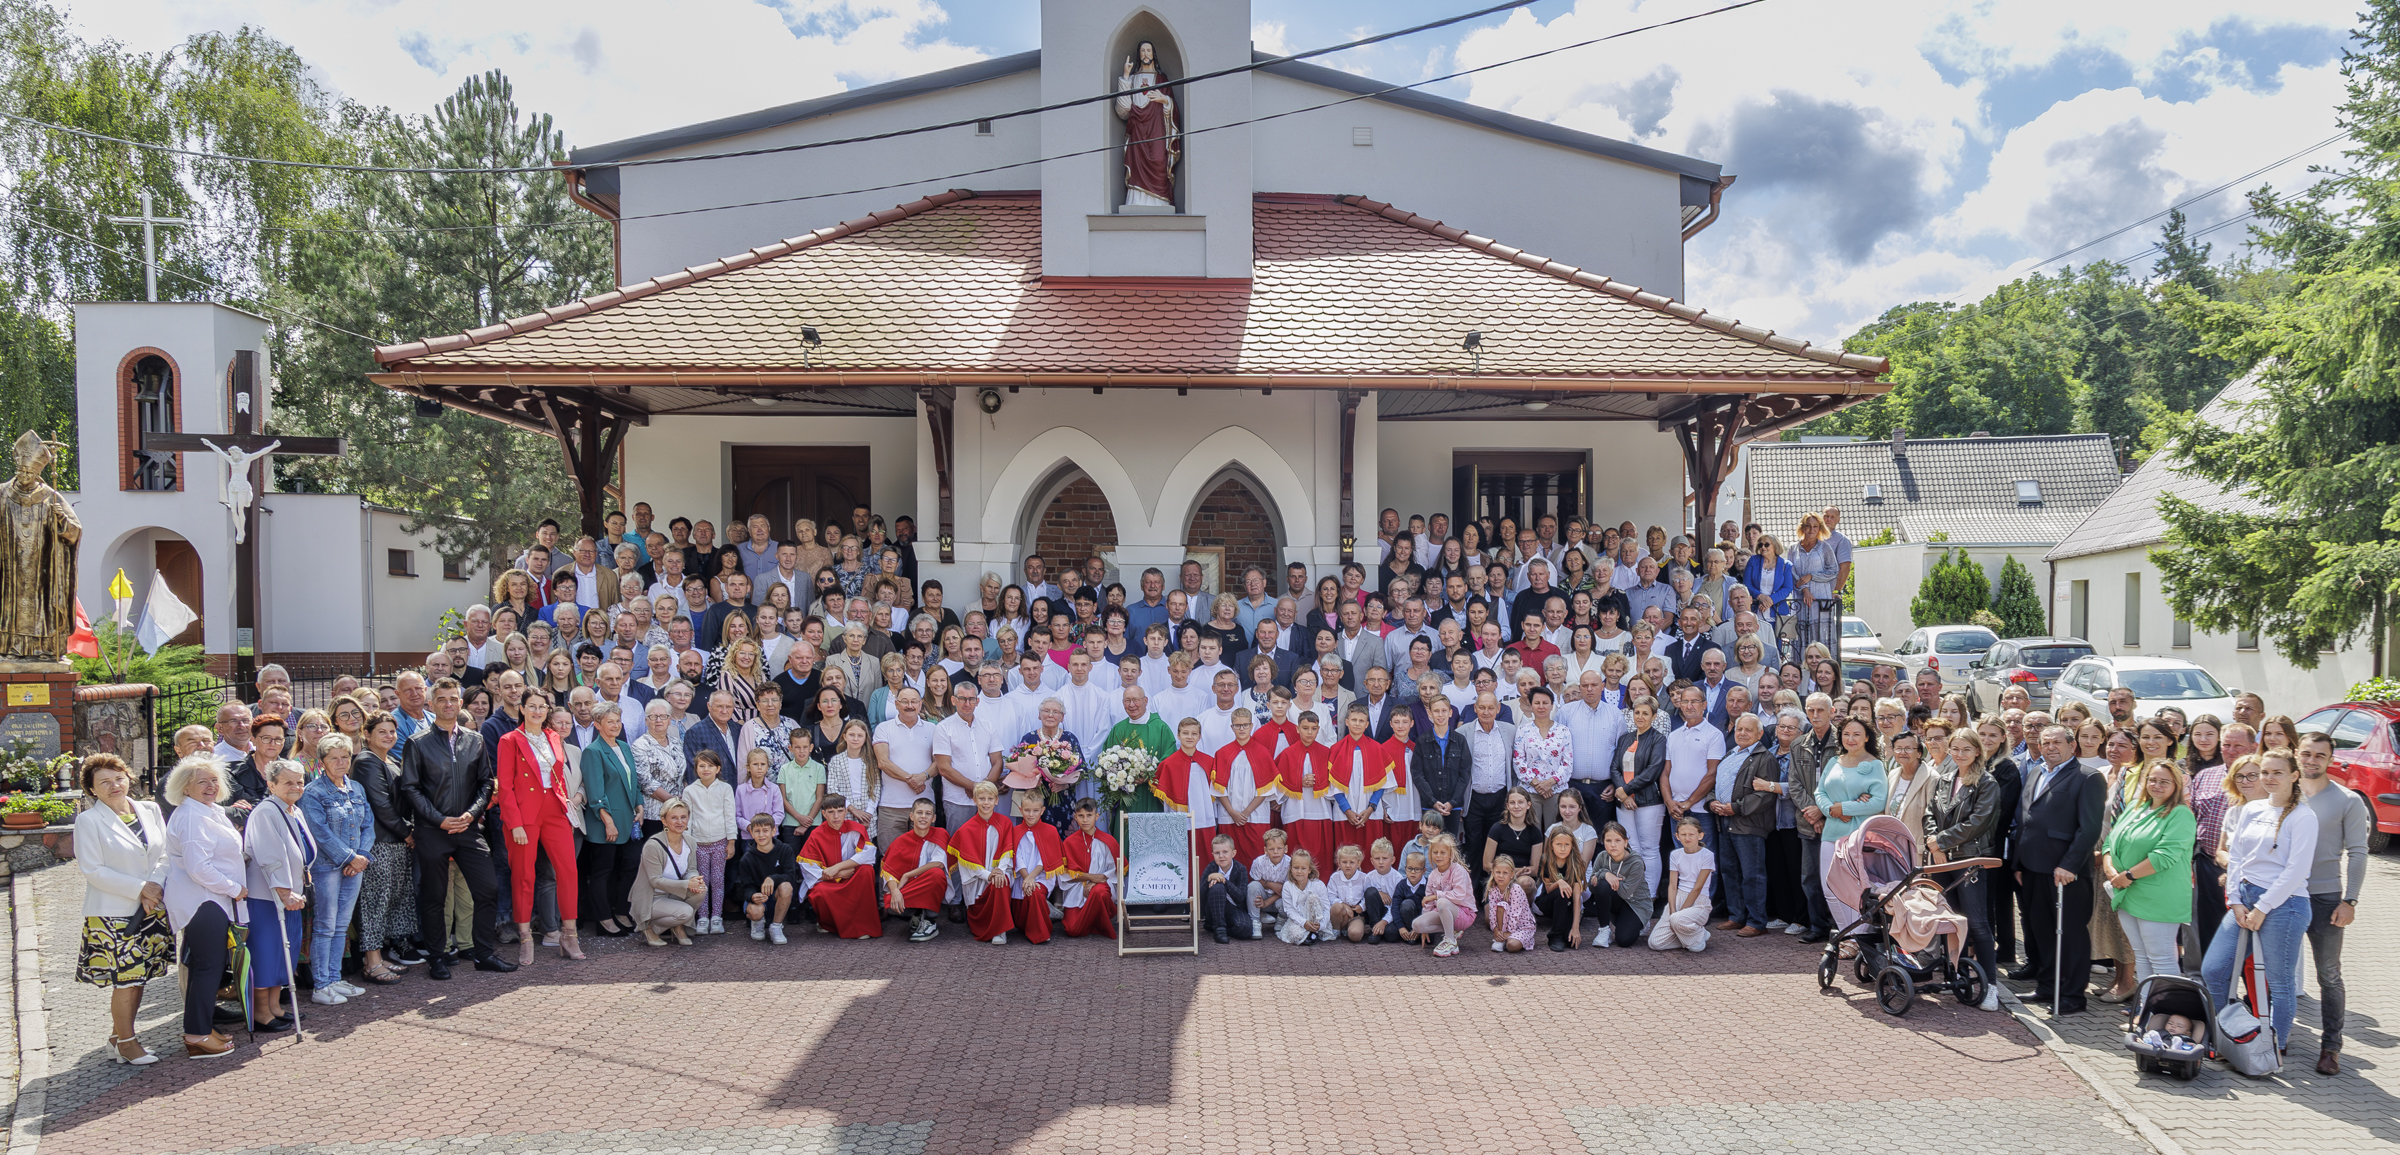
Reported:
(247, 440)
(149, 221)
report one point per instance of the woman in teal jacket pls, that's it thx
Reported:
(612, 810)
(1851, 787)
(2146, 863)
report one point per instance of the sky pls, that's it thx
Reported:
(1887, 150)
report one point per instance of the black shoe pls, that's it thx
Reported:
(1816, 936)
(1557, 943)
(437, 968)
(493, 962)
(958, 914)
(2076, 1007)
(407, 956)
(276, 1025)
(1222, 937)
(2037, 997)
(230, 1018)
(2024, 973)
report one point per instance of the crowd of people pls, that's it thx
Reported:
(1533, 729)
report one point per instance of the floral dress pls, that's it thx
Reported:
(656, 766)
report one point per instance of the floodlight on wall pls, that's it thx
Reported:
(1473, 344)
(809, 343)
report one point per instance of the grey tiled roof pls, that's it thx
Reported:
(2041, 525)
(2130, 515)
(1966, 480)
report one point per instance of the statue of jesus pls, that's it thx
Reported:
(1151, 143)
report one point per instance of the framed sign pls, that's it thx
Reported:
(1157, 898)
(1212, 572)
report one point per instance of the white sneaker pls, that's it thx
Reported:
(327, 996)
(348, 989)
(1777, 924)
(758, 930)
(1608, 937)
(1258, 929)
(775, 933)
(1795, 929)
(1497, 948)
(1991, 999)
(1000, 939)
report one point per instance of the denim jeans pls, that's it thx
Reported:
(1746, 883)
(2277, 951)
(337, 894)
(1812, 884)
(2325, 942)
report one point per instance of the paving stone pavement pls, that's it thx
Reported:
(2299, 1110)
(956, 1046)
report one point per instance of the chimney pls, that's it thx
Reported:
(1899, 441)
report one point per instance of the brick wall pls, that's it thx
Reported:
(1234, 518)
(1077, 525)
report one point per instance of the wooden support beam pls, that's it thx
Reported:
(1349, 510)
(941, 419)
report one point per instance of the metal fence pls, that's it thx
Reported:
(194, 699)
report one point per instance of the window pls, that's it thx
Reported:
(2320, 722)
(1963, 642)
(148, 401)
(2183, 634)
(2355, 729)
(2079, 606)
(2029, 493)
(2133, 609)
(2052, 655)
(2186, 684)
(1871, 492)
(2245, 639)
(400, 562)
(983, 128)
(454, 570)
(1362, 137)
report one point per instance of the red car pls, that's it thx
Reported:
(2366, 758)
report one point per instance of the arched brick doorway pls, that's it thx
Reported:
(1076, 523)
(1234, 518)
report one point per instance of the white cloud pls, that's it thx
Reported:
(605, 69)
(1272, 36)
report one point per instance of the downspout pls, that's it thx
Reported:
(1716, 197)
(366, 577)
(616, 228)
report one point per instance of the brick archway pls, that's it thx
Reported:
(1077, 523)
(1233, 517)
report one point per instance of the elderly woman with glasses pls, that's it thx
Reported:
(206, 876)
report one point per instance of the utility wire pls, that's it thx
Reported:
(895, 133)
(203, 282)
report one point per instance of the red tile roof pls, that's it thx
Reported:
(1344, 291)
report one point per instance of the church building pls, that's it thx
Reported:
(1172, 314)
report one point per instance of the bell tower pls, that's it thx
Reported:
(1091, 225)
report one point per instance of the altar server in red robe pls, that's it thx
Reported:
(837, 873)
(1306, 770)
(1183, 784)
(916, 871)
(1087, 887)
(1362, 771)
(980, 853)
(1247, 783)
(1034, 868)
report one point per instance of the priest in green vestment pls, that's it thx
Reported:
(1144, 728)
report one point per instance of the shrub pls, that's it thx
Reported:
(1952, 592)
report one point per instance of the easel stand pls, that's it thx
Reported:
(1140, 833)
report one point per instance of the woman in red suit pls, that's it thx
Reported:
(533, 810)
(981, 851)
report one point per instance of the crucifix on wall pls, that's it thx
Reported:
(244, 452)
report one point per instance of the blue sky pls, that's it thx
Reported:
(1888, 150)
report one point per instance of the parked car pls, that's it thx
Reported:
(2029, 662)
(2366, 758)
(1858, 635)
(2155, 682)
(1945, 650)
(1859, 665)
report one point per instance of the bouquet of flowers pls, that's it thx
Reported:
(1057, 762)
(1125, 773)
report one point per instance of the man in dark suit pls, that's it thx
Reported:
(446, 780)
(716, 732)
(2056, 831)
(1380, 703)
(710, 630)
(1691, 644)
(1286, 662)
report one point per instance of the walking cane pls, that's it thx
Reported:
(2058, 946)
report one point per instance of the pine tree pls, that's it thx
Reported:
(1953, 590)
(2018, 602)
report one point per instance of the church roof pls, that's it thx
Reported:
(1346, 292)
(604, 180)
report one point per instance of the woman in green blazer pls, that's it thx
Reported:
(2146, 862)
(612, 810)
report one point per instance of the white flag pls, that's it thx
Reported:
(163, 616)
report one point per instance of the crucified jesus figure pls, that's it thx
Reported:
(238, 493)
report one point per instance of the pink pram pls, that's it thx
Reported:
(1907, 932)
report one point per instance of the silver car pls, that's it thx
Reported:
(2155, 682)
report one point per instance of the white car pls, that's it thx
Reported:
(2155, 682)
(1858, 635)
(1945, 650)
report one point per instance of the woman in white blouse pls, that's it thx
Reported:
(2273, 845)
(121, 847)
(205, 878)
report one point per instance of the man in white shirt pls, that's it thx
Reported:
(1554, 624)
(1287, 615)
(1087, 702)
(233, 731)
(786, 574)
(1693, 752)
(903, 764)
(612, 689)
(1594, 723)
(482, 648)
(587, 575)
(1027, 689)
(1491, 744)
(966, 750)
(1216, 718)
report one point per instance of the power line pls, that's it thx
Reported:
(989, 169)
(895, 133)
(203, 282)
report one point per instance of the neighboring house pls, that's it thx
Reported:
(2103, 587)
(1995, 497)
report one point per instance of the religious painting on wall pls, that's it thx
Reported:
(1212, 566)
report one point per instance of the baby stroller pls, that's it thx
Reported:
(1875, 871)
(2162, 996)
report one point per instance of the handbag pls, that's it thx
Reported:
(2243, 1038)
